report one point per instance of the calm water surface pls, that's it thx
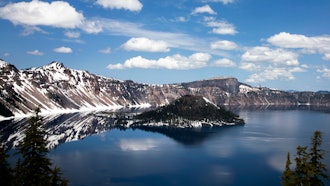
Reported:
(253, 154)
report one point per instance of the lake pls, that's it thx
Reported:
(253, 154)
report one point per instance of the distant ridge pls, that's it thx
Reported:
(56, 88)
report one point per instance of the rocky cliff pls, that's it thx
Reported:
(56, 88)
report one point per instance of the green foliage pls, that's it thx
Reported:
(34, 168)
(309, 170)
(35, 165)
(288, 175)
(316, 155)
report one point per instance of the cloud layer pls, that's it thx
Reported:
(56, 14)
(178, 62)
(65, 50)
(35, 52)
(276, 57)
(221, 27)
(131, 5)
(223, 45)
(146, 45)
(316, 44)
(204, 9)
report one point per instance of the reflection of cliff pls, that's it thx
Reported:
(60, 128)
(55, 87)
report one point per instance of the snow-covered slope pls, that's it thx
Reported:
(56, 88)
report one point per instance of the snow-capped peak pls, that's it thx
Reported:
(54, 66)
(3, 63)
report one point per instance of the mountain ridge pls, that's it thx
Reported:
(54, 87)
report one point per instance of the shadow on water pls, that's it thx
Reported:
(187, 136)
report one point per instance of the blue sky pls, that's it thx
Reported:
(283, 44)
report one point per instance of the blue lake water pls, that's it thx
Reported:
(253, 154)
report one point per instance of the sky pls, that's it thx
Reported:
(281, 44)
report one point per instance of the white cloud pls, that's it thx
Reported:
(146, 45)
(138, 144)
(270, 64)
(92, 26)
(63, 49)
(271, 74)
(220, 27)
(56, 14)
(204, 9)
(251, 67)
(71, 34)
(179, 62)
(298, 69)
(131, 5)
(274, 73)
(35, 52)
(278, 57)
(180, 19)
(223, 45)
(325, 72)
(316, 44)
(28, 30)
(105, 51)
(222, 1)
(225, 62)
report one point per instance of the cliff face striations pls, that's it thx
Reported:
(55, 87)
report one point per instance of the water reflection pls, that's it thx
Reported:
(253, 154)
(75, 126)
(138, 144)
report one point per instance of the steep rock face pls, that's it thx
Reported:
(55, 87)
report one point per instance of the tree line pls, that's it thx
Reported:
(33, 167)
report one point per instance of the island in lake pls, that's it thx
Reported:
(187, 112)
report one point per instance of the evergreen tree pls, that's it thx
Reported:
(303, 166)
(56, 179)
(5, 170)
(316, 155)
(35, 167)
(288, 178)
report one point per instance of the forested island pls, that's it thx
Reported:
(189, 111)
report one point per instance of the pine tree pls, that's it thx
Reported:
(35, 167)
(303, 166)
(288, 178)
(56, 179)
(6, 176)
(309, 171)
(316, 155)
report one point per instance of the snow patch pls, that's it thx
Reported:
(3, 63)
(245, 89)
(208, 101)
